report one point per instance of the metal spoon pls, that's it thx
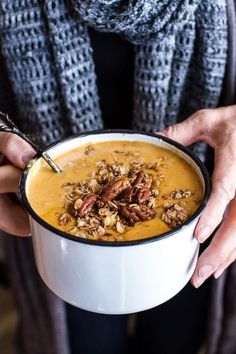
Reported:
(10, 127)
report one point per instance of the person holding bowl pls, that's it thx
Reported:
(164, 67)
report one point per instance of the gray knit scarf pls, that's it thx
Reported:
(180, 56)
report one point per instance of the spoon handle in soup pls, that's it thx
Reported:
(9, 126)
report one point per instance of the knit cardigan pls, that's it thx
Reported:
(48, 83)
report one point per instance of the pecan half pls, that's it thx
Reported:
(142, 195)
(139, 178)
(129, 213)
(136, 195)
(113, 188)
(143, 179)
(137, 213)
(145, 213)
(128, 194)
(87, 205)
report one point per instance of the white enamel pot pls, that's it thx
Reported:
(115, 277)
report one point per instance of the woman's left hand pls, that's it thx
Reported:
(216, 127)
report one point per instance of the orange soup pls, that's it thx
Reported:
(116, 191)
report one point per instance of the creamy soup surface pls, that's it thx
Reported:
(115, 190)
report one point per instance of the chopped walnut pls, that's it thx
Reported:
(89, 149)
(94, 185)
(136, 165)
(64, 219)
(174, 214)
(153, 166)
(178, 194)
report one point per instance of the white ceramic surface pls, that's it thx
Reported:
(114, 278)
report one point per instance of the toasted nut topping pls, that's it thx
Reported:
(87, 205)
(174, 214)
(120, 227)
(142, 195)
(114, 188)
(117, 195)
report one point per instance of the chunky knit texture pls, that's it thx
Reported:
(180, 60)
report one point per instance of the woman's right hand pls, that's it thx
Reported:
(17, 153)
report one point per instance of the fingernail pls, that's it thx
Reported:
(203, 273)
(27, 155)
(197, 282)
(203, 233)
(218, 273)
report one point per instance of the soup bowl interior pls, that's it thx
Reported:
(108, 276)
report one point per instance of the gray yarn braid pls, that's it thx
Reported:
(180, 58)
(137, 21)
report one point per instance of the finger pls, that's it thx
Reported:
(225, 264)
(194, 128)
(16, 149)
(14, 220)
(223, 191)
(9, 179)
(219, 250)
(188, 131)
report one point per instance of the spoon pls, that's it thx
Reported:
(10, 127)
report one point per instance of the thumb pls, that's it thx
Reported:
(188, 131)
(15, 149)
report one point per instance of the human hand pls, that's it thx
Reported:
(217, 127)
(17, 153)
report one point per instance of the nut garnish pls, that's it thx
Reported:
(89, 149)
(87, 204)
(135, 213)
(114, 188)
(64, 218)
(120, 227)
(116, 196)
(174, 214)
(178, 194)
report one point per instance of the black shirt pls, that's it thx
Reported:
(114, 66)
